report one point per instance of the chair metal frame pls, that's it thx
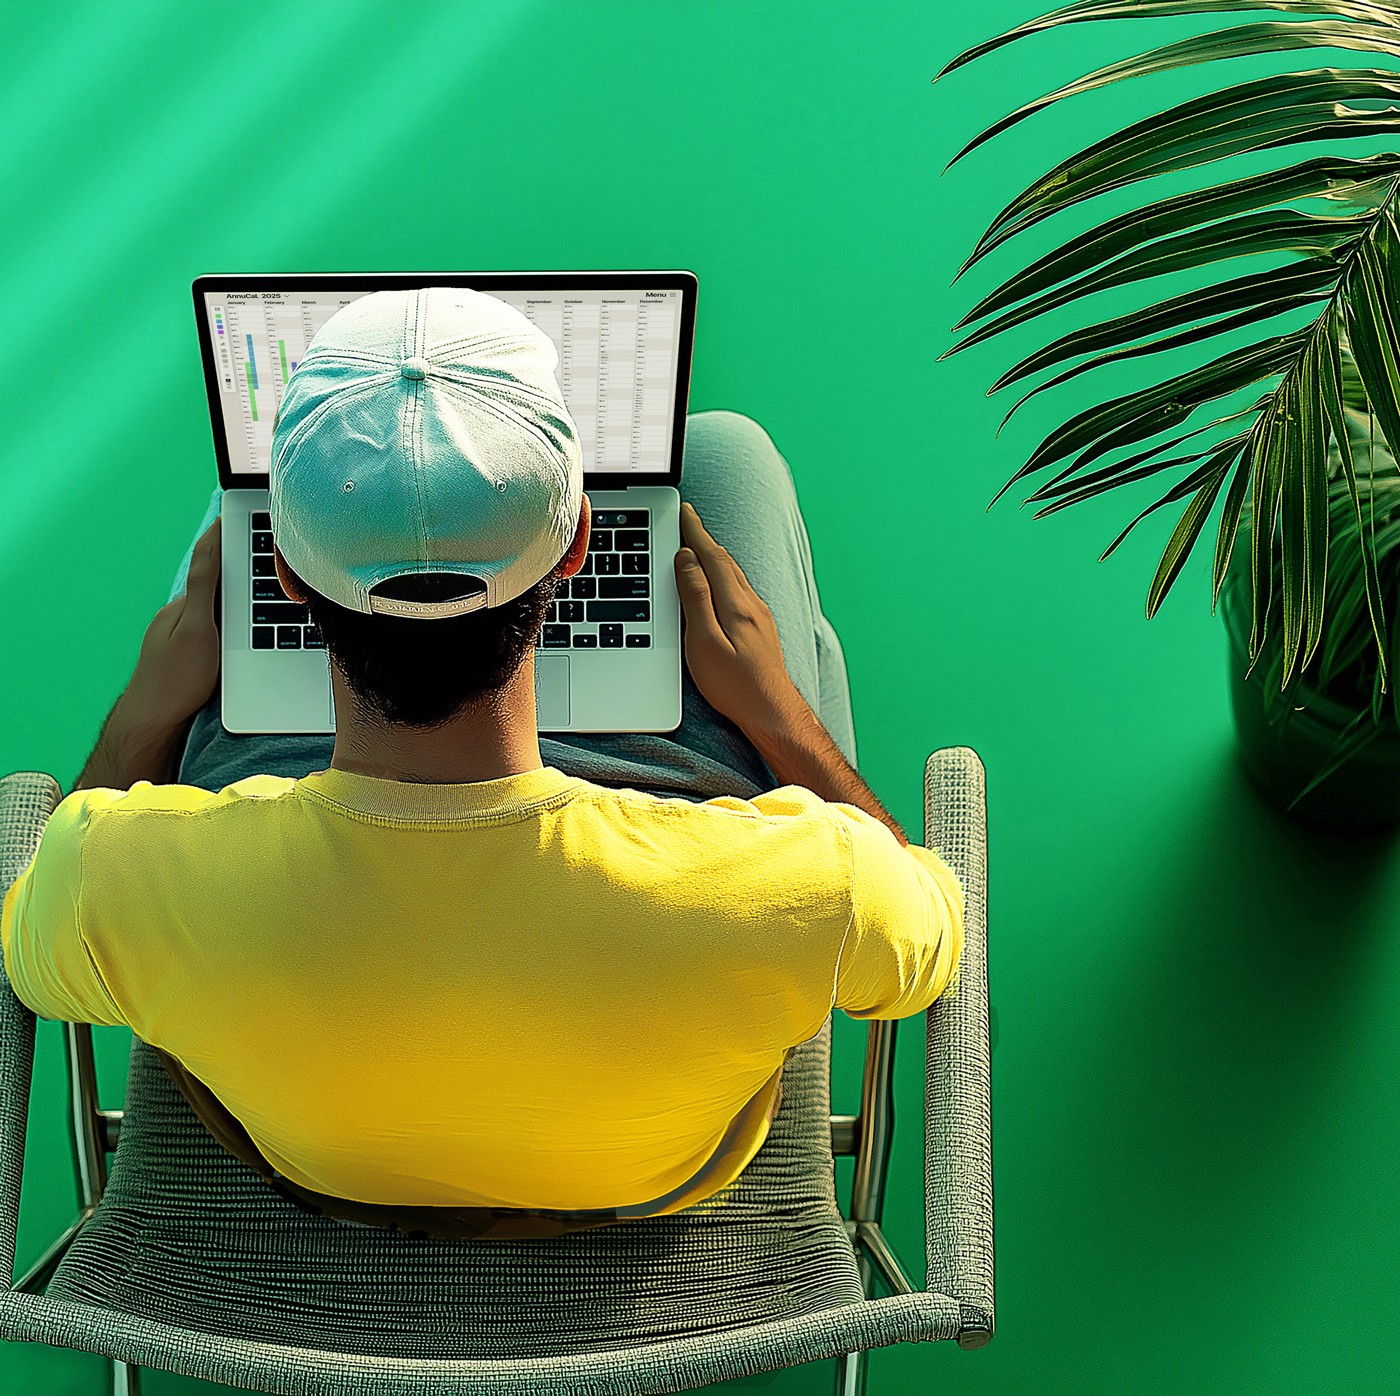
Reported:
(867, 1136)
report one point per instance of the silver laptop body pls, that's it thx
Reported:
(609, 656)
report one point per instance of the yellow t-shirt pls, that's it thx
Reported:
(526, 992)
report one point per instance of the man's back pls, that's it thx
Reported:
(526, 992)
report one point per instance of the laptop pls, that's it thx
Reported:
(609, 656)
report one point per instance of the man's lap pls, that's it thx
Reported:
(743, 491)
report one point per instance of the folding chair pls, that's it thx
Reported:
(182, 1258)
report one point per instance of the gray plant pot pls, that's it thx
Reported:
(1281, 759)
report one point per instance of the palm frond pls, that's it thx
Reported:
(1240, 41)
(1220, 455)
(1089, 10)
(1277, 473)
(1284, 109)
(1334, 393)
(1094, 482)
(1360, 183)
(1258, 297)
(1251, 234)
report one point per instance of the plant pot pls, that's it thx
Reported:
(1281, 758)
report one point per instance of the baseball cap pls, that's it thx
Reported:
(422, 433)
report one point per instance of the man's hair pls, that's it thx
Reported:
(422, 673)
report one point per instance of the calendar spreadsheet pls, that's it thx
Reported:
(617, 369)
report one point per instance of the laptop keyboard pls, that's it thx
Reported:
(605, 605)
(278, 622)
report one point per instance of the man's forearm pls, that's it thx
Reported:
(799, 751)
(134, 746)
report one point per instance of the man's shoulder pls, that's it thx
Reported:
(145, 798)
(770, 825)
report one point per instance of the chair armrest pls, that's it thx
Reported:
(958, 1101)
(27, 798)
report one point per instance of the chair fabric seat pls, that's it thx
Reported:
(187, 1235)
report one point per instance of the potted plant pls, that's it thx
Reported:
(1297, 415)
(1326, 745)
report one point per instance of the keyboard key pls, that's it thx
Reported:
(636, 562)
(279, 613)
(584, 588)
(630, 542)
(638, 642)
(553, 612)
(586, 569)
(268, 589)
(585, 642)
(262, 519)
(600, 540)
(624, 586)
(262, 541)
(619, 610)
(621, 518)
(311, 639)
(610, 637)
(556, 636)
(570, 610)
(289, 637)
(264, 637)
(264, 566)
(606, 564)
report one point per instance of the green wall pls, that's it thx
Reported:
(1196, 1001)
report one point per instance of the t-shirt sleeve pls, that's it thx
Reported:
(905, 939)
(48, 962)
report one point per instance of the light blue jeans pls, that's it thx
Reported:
(743, 490)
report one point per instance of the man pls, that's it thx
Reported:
(435, 983)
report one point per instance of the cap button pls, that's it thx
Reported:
(414, 368)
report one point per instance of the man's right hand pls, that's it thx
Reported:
(732, 648)
(731, 640)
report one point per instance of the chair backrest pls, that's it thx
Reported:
(188, 1234)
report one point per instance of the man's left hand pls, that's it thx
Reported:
(178, 669)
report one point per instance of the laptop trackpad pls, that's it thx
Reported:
(551, 691)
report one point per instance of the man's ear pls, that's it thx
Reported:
(284, 576)
(578, 549)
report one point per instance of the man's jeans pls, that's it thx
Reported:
(742, 488)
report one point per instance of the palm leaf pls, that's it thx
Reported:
(1332, 390)
(1240, 41)
(1278, 110)
(1312, 437)
(1263, 511)
(1261, 296)
(1221, 454)
(1292, 521)
(1361, 183)
(1284, 230)
(1105, 478)
(1230, 523)
(1091, 10)
(1184, 536)
(1135, 416)
(1122, 477)
(1371, 288)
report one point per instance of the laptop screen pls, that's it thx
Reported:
(622, 353)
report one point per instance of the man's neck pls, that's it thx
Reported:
(488, 740)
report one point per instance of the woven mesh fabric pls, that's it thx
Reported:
(958, 1100)
(27, 798)
(188, 1235)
